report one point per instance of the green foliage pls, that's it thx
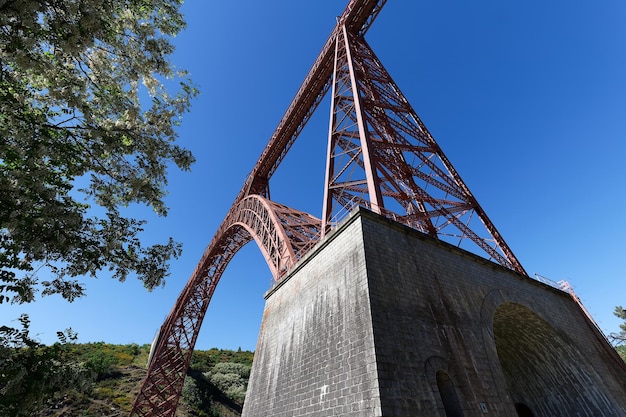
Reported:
(93, 378)
(621, 350)
(232, 368)
(89, 103)
(110, 366)
(230, 378)
(198, 396)
(102, 358)
(122, 369)
(191, 393)
(32, 373)
(620, 338)
(205, 360)
(217, 381)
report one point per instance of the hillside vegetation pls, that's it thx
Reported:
(215, 385)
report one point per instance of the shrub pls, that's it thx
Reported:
(232, 368)
(230, 378)
(191, 393)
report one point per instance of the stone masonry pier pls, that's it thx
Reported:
(381, 320)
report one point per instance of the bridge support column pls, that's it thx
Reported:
(381, 320)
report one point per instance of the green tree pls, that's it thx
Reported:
(89, 104)
(619, 338)
(88, 127)
(31, 372)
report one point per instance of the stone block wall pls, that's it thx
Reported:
(315, 354)
(381, 320)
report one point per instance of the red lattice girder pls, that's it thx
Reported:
(357, 17)
(381, 156)
(283, 235)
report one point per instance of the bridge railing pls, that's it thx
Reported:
(565, 286)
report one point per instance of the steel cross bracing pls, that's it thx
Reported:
(284, 236)
(357, 17)
(380, 156)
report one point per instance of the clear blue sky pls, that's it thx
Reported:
(527, 99)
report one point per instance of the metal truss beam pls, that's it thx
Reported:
(357, 17)
(381, 156)
(283, 235)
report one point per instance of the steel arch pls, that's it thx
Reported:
(282, 234)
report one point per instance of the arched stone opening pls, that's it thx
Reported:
(449, 397)
(523, 410)
(545, 374)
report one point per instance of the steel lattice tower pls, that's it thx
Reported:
(380, 156)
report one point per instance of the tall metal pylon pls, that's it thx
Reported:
(380, 156)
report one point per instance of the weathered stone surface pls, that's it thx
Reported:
(380, 320)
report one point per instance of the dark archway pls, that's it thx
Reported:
(523, 410)
(544, 372)
(449, 397)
